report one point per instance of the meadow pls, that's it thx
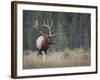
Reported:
(66, 58)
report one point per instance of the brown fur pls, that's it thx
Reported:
(45, 43)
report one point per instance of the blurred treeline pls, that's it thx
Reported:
(73, 29)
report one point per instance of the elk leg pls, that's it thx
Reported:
(39, 53)
(45, 52)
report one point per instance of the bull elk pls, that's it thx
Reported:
(45, 40)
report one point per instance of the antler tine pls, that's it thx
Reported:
(54, 34)
(35, 25)
(51, 23)
(45, 25)
(52, 30)
(36, 22)
(47, 21)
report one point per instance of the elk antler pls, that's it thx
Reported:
(48, 25)
(35, 25)
(45, 24)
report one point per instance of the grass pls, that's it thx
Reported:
(66, 58)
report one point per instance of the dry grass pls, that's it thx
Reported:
(67, 58)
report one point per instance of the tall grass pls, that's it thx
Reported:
(66, 58)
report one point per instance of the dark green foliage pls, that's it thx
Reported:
(73, 29)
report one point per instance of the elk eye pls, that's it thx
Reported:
(48, 36)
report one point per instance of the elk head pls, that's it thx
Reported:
(45, 40)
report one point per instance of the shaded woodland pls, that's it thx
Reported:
(72, 43)
(73, 29)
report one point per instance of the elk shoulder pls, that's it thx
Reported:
(40, 42)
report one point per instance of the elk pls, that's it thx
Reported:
(45, 40)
